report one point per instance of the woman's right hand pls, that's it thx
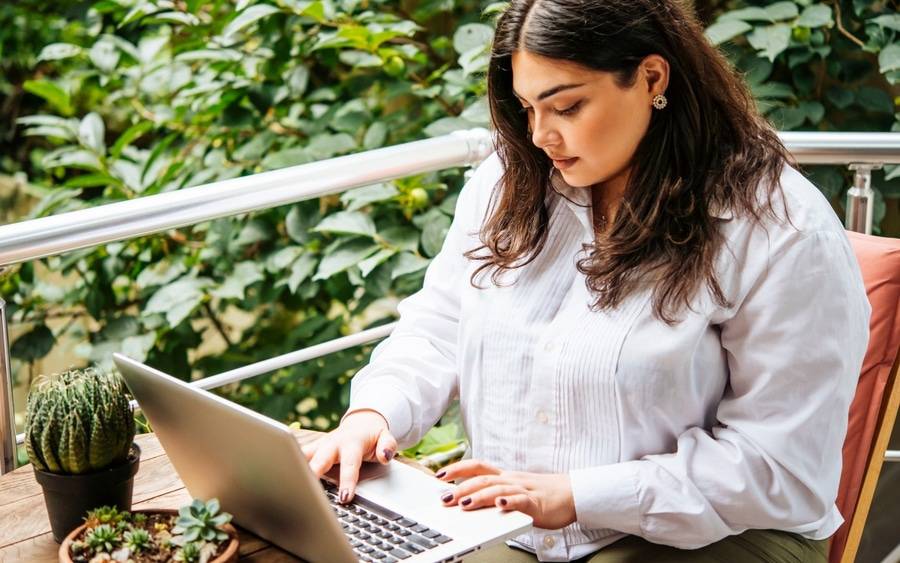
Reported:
(362, 436)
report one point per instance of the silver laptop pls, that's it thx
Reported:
(255, 467)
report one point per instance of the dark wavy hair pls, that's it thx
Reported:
(710, 148)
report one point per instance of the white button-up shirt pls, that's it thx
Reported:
(730, 420)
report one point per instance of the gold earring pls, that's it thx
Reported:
(660, 101)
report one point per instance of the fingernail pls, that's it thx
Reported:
(388, 454)
(466, 501)
(344, 496)
(441, 474)
(447, 497)
(503, 502)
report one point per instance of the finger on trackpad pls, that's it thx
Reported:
(370, 470)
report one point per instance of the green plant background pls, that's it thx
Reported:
(118, 99)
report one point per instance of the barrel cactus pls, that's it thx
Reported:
(78, 421)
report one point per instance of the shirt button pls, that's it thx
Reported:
(549, 541)
(542, 418)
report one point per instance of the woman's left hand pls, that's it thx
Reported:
(547, 498)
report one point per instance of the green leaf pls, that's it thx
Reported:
(776, 90)
(91, 133)
(447, 125)
(471, 36)
(358, 198)
(209, 55)
(71, 158)
(890, 21)
(874, 99)
(372, 262)
(814, 111)
(301, 269)
(286, 157)
(344, 256)
(105, 55)
(55, 96)
(247, 17)
(281, 259)
(243, 275)
(160, 273)
(401, 237)
(347, 222)
(433, 235)
(782, 11)
(816, 15)
(177, 300)
(57, 51)
(129, 136)
(327, 145)
(34, 344)
(297, 80)
(375, 135)
(297, 224)
(723, 30)
(182, 18)
(770, 40)
(407, 263)
(888, 59)
(746, 14)
(90, 181)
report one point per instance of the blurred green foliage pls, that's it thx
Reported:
(117, 99)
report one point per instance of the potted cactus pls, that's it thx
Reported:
(79, 437)
(196, 533)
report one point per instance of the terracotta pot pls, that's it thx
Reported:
(230, 555)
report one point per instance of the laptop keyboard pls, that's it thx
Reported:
(379, 535)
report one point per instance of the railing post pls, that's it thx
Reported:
(861, 199)
(8, 457)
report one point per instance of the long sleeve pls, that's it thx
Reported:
(794, 347)
(412, 375)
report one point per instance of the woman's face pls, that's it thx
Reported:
(586, 123)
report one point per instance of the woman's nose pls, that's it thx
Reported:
(542, 135)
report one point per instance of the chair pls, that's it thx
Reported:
(874, 407)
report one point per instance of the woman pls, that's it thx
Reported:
(653, 323)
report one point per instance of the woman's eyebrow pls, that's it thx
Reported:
(552, 91)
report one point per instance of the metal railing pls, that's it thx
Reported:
(48, 236)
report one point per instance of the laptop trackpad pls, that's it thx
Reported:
(370, 470)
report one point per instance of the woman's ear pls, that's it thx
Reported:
(655, 71)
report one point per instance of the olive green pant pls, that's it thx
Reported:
(757, 546)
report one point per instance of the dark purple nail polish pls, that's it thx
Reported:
(503, 502)
(466, 501)
(447, 497)
(441, 474)
(344, 496)
(388, 454)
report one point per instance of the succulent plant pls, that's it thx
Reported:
(105, 515)
(78, 421)
(189, 553)
(102, 538)
(201, 521)
(137, 540)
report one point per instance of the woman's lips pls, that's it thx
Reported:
(564, 163)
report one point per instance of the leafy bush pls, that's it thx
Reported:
(171, 98)
(146, 96)
(822, 66)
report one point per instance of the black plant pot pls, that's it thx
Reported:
(70, 497)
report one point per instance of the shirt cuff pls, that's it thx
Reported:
(386, 400)
(606, 497)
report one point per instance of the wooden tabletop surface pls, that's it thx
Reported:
(25, 529)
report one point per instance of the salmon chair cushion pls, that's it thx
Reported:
(879, 260)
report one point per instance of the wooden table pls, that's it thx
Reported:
(25, 529)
